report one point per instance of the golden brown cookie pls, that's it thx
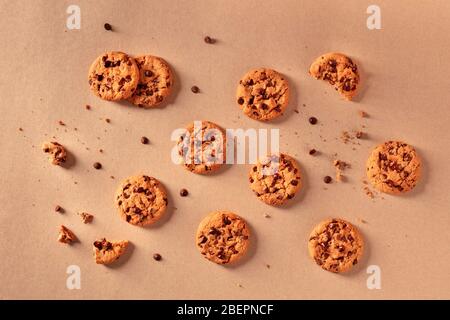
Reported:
(57, 152)
(106, 252)
(141, 200)
(263, 94)
(339, 70)
(114, 76)
(275, 179)
(394, 167)
(202, 148)
(336, 245)
(223, 237)
(66, 235)
(155, 82)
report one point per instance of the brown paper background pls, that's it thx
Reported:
(405, 69)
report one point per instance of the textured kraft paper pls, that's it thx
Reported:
(405, 92)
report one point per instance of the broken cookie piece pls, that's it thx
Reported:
(340, 166)
(86, 217)
(339, 70)
(66, 235)
(106, 252)
(57, 153)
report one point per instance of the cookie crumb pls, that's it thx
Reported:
(359, 134)
(108, 120)
(100, 150)
(61, 123)
(66, 235)
(144, 140)
(112, 177)
(107, 27)
(209, 40)
(184, 192)
(20, 129)
(362, 114)
(369, 192)
(59, 209)
(362, 221)
(266, 215)
(268, 266)
(86, 217)
(157, 257)
(340, 166)
(97, 165)
(296, 111)
(239, 285)
(195, 89)
(312, 152)
(57, 152)
(88, 107)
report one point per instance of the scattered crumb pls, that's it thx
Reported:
(296, 111)
(66, 235)
(268, 266)
(86, 217)
(340, 166)
(209, 40)
(362, 114)
(100, 150)
(266, 215)
(57, 152)
(239, 285)
(349, 137)
(20, 129)
(59, 209)
(108, 120)
(88, 107)
(369, 192)
(362, 221)
(112, 177)
(61, 123)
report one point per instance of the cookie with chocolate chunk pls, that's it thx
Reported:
(57, 152)
(141, 200)
(394, 167)
(338, 70)
(336, 245)
(263, 94)
(155, 82)
(202, 147)
(106, 252)
(275, 179)
(223, 237)
(113, 76)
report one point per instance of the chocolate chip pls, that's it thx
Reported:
(184, 192)
(294, 182)
(312, 151)
(97, 165)
(148, 73)
(327, 179)
(195, 89)
(107, 64)
(144, 140)
(99, 77)
(313, 120)
(157, 257)
(209, 40)
(107, 27)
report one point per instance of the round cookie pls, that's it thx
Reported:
(223, 237)
(141, 200)
(336, 245)
(339, 70)
(394, 167)
(263, 94)
(113, 76)
(155, 82)
(275, 179)
(202, 148)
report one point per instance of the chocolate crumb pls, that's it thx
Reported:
(97, 165)
(88, 107)
(195, 89)
(144, 140)
(313, 120)
(108, 120)
(107, 27)
(61, 123)
(59, 209)
(20, 129)
(184, 192)
(157, 257)
(112, 177)
(209, 40)
(312, 151)
(359, 134)
(327, 179)
(363, 114)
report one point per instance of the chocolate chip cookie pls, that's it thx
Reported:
(223, 237)
(339, 70)
(336, 245)
(275, 179)
(263, 94)
(155, 82)
(202, 147)
(114, 76)
(141, 200)
(106, 252)
(57, 152)
(394, 167)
